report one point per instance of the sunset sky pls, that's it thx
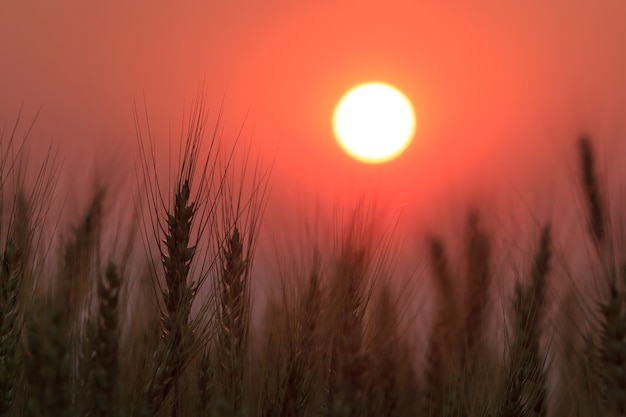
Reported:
(501, 89)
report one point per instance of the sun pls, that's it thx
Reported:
(374, 122)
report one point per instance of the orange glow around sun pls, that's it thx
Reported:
(374, 122)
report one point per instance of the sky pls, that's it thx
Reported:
(501, 91)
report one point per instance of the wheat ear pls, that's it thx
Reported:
(525, 386)
(478, 258)
(612, 348)
(591, 187)
(234, 319)
(348, 383)
(12, 274)
(176, 258)
(106, 361)
(301, 351)
(384, 349)
(440, 357)
(48, 366)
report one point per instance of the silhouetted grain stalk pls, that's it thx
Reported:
(47, 365)
(347, 389)
(206, 380)
(74, 290)
(72, 295)
(240, 206)
(105, 371)
(23, 208)
(12, 276)
(78, 258)
(292, 355)
(234, 320)
(302, 356)
(188, 220)
(612, 343)
(569, 337)
(303, 352)
(478, 259)
(176, 259)
(596, 214)
(384, 347)
(273, 364)
(525, 384)
(441, 357)
(612, 353)
(590, 364)
(9, 325)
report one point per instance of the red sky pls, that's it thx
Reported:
(501, 89)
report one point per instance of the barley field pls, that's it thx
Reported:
(160, 322)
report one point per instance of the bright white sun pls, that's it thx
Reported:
(374, 122)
